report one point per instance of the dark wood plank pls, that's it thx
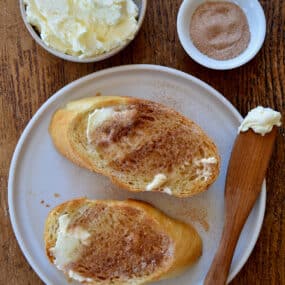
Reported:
(29, 76)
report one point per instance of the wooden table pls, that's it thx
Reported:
(29, 76)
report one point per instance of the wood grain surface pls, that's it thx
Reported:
(29, 76)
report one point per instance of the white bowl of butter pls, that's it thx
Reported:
(83, 30)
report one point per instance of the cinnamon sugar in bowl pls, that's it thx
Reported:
(220, 29)
(221, 34)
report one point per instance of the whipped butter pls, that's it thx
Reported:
(68, 242)
(167, 190)
(78, 277)
(205, 162)
(261, 120)
(157, 182)
(97, 118)
(209, 160)
(83, 28)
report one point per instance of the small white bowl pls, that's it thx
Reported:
(142, 4)
(257, 25)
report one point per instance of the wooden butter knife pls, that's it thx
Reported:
(247, 168)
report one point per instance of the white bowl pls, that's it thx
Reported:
(257, 25)
(142, 9)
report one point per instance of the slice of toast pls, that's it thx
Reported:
(140, 145)
(118, 242)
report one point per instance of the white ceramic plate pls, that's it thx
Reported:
(38, 172)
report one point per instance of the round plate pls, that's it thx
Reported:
(40, 178)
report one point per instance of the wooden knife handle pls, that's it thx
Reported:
(219, 270)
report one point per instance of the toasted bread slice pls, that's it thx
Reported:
(118, 242)
(140, 145)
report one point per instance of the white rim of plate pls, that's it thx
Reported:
(73, 58)
(59, 93)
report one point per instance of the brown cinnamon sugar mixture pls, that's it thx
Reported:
(220, 30)
(141, 135)
(199, 216)
(118, 126)
(124, 244)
